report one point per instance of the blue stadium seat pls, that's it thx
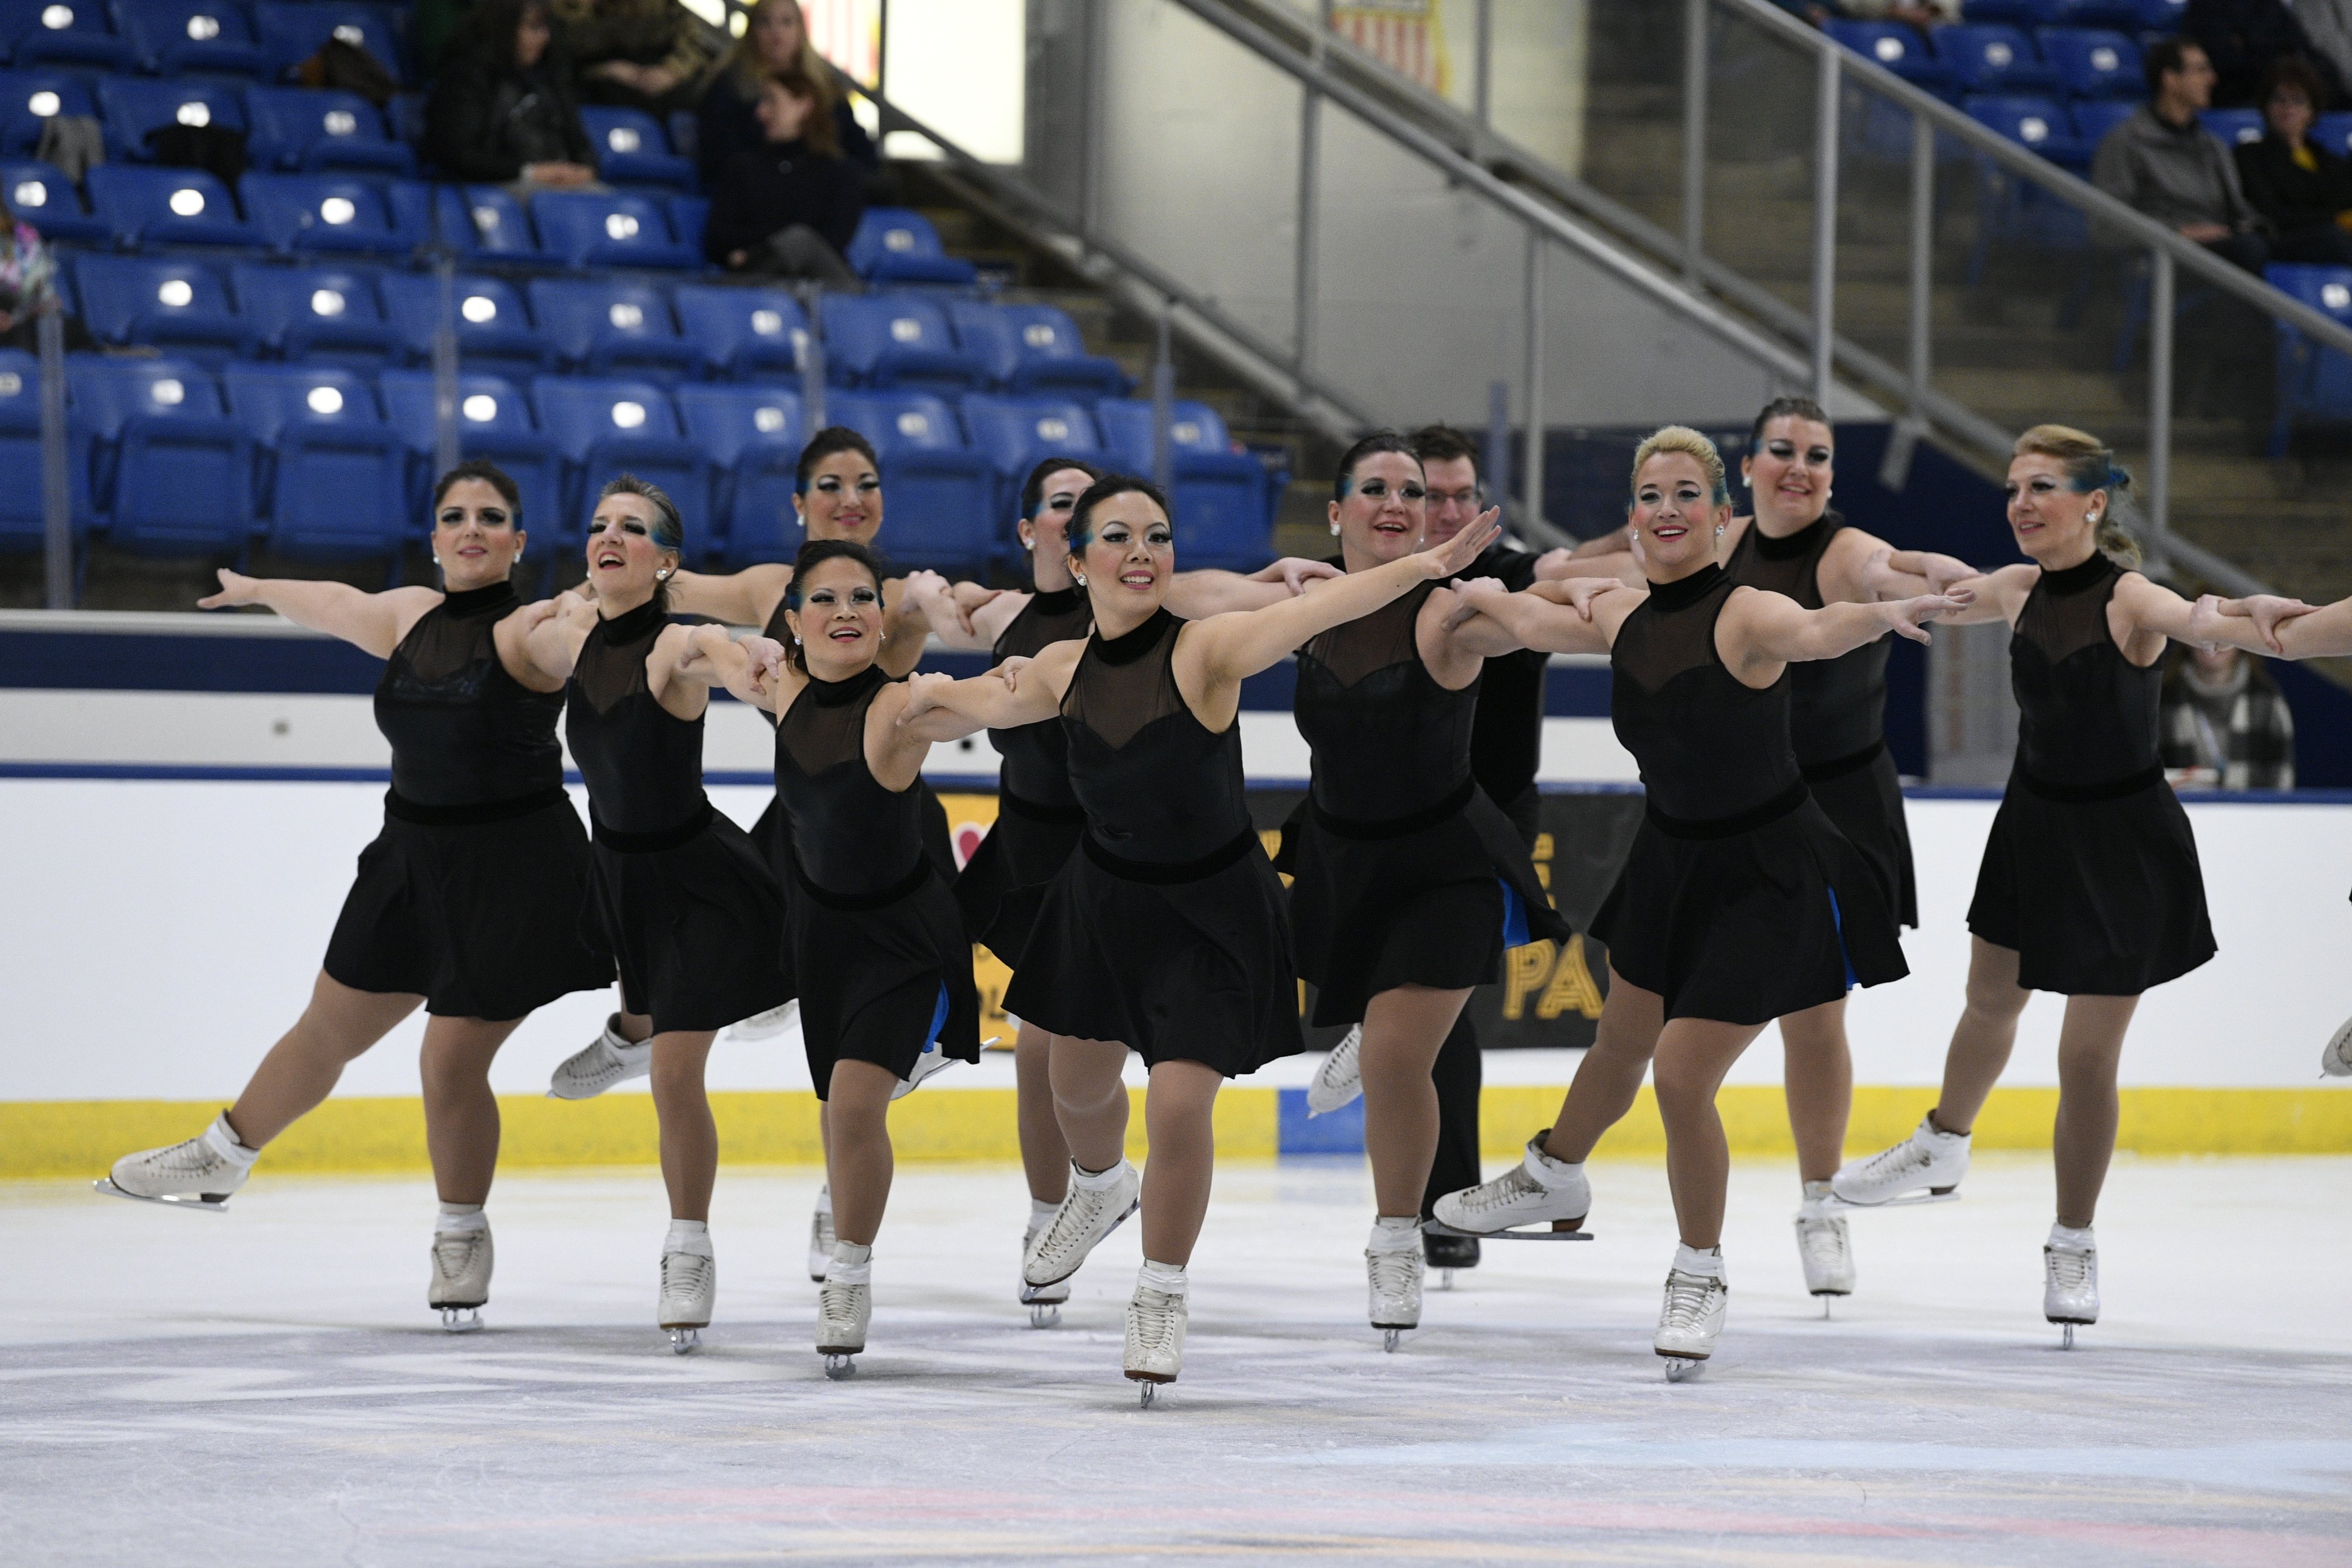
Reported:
(61, 32)
(604, 427)
(489, 221)
(2160, 16)
(742, 332)
(2093, 118)
(688, 217)
(23, 521)
(2015, 13)
(1898, 48)
(2235, 127)
(1225, 500)
(166, 207)
(611, 329)
(405, 115)
(333, 476)
(752, 437)
(134, 108)
(493, 422)
(330, 212)
(42, 196)
(320, 315)
(309, 129)
(1015, 435)
(173, 475)
(28, 100)
(291, 31)
(170, 36)
(2334, 132)
(1032, 350)
(2121, 15)
(1997, 59)
(941, 493)
(2314, 385)
(494, 329)
(2092, 63)
(897, 244)
(2041, 124)
(179, 305)
(614, 229)
(884, 340)
(632, 149)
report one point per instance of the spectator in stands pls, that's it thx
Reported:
(788, 208)
(502, 110)
(653, 55)
(2243, 38)
(775, 42)
(28, 285)
(2303, 191)
(2163, 162)
(2223, 723)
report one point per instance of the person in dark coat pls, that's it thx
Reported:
(787, 206)
(775, 43)
(2302, 189)
(2244, 38)
(502, 108)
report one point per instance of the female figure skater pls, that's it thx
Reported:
(468, 902)
(1407, 881)
(2090, 885)
(873, 932)
(1166, 933)
(687, 902)
(1739, 903)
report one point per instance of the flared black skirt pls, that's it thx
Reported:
(482, 919)
(1025, 847)
(2097, 897)
(882, 977)
(1864, 802)
(1199, 969)
(1413, 902)
(694, 927)
(1750, 926)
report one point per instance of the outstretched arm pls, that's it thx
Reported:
(1551, 617)
(558, 631)
(745, 598)
(2266, 623)
(1197, 595)
(945, 611)
(373, 623)
(990, 701)
(1773, 628)
(753, 668)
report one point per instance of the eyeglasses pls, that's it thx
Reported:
(1469, 498)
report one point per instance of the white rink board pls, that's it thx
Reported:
(160, 934)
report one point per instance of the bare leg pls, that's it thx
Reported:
(1984, 1036)
(1403, 1031)
(1090, 1101)
(1819, 1072)
(637, 1027)
(303, 1067)
(689, 1138)
(1610, 1074)
(461, 1114)
(857, 1160)
(1693, 1056)
(1178, 1110)
(2090, 1048)
(1044, 1155)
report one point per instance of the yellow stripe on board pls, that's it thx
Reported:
(82, 1138)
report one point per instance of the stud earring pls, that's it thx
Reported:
(1335, 531)
(1081, 581)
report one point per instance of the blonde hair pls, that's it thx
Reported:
(1681, 439)
(744, 64)
(2090, 466)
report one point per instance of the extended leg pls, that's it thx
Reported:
(1984, 1036)
(1610, 1074)
(303, 1067)
(1090, 1101)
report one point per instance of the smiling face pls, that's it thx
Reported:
(1454, 497)
(624, 562)
(474, 535)
(1385, 512)
(1676, 516)
(1127, 564)
(843, 500)
(2054, 523)
(839, 622)
(1790, 473)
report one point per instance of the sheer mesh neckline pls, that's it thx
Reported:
(2075, 579)
(1685, 591)
(630, 626)
(842, 694)
(1788, 547)
(1128, 647)
(464, 602)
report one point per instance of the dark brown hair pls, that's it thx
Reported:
(814, 553)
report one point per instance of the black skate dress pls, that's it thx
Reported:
(471, 896)
(1837, 715)
(871, 930)
(687, 901)
(1038, 819)
(1404, 872)
(2091, 873)
(1740, 901)
(1166, 931)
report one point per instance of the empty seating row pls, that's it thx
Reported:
(2077, 62)
(2314, 385)
(2147, 15)
(325, 462)
(168, 36)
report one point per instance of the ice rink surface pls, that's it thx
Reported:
(265, 1387)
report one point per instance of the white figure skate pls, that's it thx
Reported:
(767, 1025)
(1538, 1190)
(1341, 1077)
(1393, 1281)
(1689, 1322)
(202, 1174)
(2335, 1061)
(820, 1252)
(589, 1073)
(2070, 1289)
(1925, 1168)
(1043, 1301)
(461, 1277)
(1826, 1250)
(844, 1309)
(932, 1060)
(689, 1286)
(1155, 1340)
(1085, 1216)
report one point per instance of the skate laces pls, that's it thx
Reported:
(193, 1158)
(1905, 1159)
(1503, 1191)
(454, 1250)
(685, 1273)
(1687, 1299)
(1152, 1324)
(1070, 1226)
(2069, 1270)
(836, 1302)
(1392, 1271)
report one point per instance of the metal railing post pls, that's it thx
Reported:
(1094, 51)
(1825, 205)
(1694, 14)
(812, 357)
(1903, 441)
(2160, 305)
(1483, 100)
(56, 494)
(1307, 258)
(1495, 454)
(1531, 491)
(448, 444)
(1164, 405)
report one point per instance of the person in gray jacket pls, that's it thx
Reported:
(2163, 162)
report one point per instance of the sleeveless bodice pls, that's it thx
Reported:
(1155, 784)
(1709, 747)
(2086, 715)
(1037, 756)
(463, 731)
(642, 764)
(1388, 740)
(1837, 707)
(850, 835)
